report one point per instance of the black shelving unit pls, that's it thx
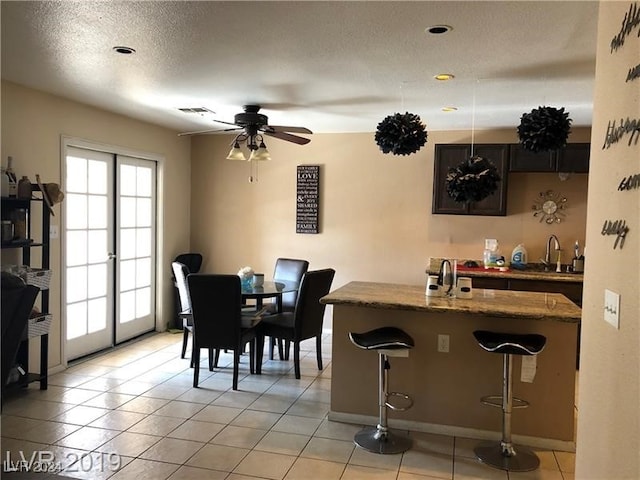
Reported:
(8, 207)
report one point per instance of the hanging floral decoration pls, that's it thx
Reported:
(401, 134)
(473, 180)
(544, 129)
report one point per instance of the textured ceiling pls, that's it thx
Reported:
(329, 66)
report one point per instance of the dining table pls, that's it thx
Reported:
(269, 289)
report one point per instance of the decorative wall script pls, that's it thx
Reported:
(308, 199)
(618, 228)
(629, 183)
(630, 22)
(634, 73)
(616, 132)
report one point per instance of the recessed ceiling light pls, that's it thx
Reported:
(449, 109)
(124, 50)
(444, 77)
(438, 29)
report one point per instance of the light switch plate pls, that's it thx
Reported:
(53, 231)
(612, 308)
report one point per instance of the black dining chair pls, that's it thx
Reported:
(290, 270)
(180, 272)
(218, 321)
(304, 322)
(192, 263)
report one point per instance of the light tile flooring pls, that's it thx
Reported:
(135, 405)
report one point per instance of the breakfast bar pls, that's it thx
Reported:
(446, 386)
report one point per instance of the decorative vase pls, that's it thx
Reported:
(246, 283)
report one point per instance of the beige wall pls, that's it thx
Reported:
(609, 390)
(376, 221)
(32, 125)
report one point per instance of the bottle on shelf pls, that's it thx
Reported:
(491, 253)
(11, 178)
(24, 188)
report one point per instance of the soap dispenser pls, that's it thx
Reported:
(519, 256)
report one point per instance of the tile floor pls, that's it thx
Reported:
(135, 406)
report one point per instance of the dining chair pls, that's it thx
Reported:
(218, 321)
(304, 322)
(180, 272)
(192, 262)
(290, 270)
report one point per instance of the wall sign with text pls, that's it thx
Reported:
(308, 199)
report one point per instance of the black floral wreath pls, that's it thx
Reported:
(401, 134)
(473, 180)
(544, 129)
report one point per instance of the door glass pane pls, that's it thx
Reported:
(97, 246)
(97, 280)
(76, 175)
(143, 218)
(97, 211)
(127, 243)
(143, 248)
(76, 206)
(76, 320)
(97, 177)
(97, 314)
(144, 182)
(143, 302)
(76, 284)
(127, 306)
(127, 275)
(76, 248)
(127, 212)
(127, 180)
(143, 272)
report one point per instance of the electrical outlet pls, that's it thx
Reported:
(443, 343)
(612, 308)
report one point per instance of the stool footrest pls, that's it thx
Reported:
(496, 401)
(396, 408)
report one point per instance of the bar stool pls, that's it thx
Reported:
(505, 455)
(387, 341)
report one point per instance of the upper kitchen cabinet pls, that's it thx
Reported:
(451, 155)
(574, 158)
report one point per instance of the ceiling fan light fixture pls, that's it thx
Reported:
(236, 153)
(261, 154)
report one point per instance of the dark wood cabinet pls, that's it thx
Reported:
(449, 156)
(574, 158)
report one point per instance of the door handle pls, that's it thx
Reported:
(111, 256)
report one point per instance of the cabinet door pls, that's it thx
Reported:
(448, 156)
(523, 160)
(574, 158)
(496, 203)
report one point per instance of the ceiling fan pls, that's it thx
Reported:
(254, 124)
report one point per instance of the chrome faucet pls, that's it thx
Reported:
(547, 256)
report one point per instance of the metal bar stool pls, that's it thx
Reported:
(387, 341)
(505, 455)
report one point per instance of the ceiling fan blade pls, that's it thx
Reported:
(278, 128)
(206, 132)
(288, 137)
(222, 121)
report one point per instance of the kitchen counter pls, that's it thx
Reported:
(446, 386)
(533, 272)
(496, 303)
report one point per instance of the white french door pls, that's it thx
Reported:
(110, 237)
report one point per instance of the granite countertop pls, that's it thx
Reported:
(494, 303)
(533, 272)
